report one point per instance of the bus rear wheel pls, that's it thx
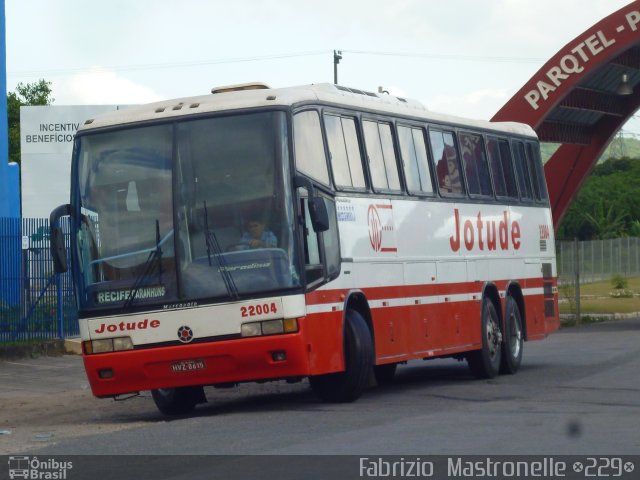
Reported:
(485, 363)
(178, 401)
(513, 338)
(348, 385)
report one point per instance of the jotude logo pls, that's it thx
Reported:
(36, 469)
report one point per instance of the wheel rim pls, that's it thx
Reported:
(515, 339)
(494, 337)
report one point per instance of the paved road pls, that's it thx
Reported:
(578, 392)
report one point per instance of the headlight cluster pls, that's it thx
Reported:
(251, 329)
(269, 327)
(106, 345)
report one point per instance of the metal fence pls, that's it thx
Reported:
(35, 303)
(598, 259)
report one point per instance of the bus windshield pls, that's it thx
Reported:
(187, 211)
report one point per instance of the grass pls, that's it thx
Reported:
(595, 298)
(605, 305)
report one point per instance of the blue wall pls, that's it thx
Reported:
(9, 178)
(9, 194)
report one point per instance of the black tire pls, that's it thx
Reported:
(384, 373)
(513, 339)
(178, 401)
(348, 385)
(485, 363)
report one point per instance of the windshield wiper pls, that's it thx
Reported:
(212, 244)
(154, 259)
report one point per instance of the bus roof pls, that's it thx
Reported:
(251, 95)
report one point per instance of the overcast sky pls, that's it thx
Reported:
(464, 57)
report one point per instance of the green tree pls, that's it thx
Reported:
(607, 205)
(606, 223)
(37, 93)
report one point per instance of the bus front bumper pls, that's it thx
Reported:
(217, 362)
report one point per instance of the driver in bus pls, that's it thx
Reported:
(257, 235)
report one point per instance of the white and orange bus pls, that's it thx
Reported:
(318, 231)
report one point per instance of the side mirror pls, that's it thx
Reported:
(318, 210)
(57, 246)
(319, 214)
(58, 250)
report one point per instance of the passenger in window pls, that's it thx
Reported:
(444, 181)
(448, 173)
(468, 151)
(257, 235)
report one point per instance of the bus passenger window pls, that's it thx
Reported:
(390, 162)
(504, 182)
(475, 164)
(310, 156)
(414, 157)
(447, 162)
(537, 171)
(507, 168)
(496, 167)
(522, 171)
(381, 154)
(344, 151)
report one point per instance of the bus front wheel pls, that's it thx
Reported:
(348, 385)
(485, 363)
(178, 401)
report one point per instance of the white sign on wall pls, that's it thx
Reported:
(46, 139)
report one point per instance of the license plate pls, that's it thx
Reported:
(188, 366)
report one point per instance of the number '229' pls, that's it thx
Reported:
(260, 309)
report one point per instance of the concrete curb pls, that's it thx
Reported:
(73, 346)
(43, 348)
(37, 349)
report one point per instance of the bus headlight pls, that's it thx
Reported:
(99, 346)
(106, 345)
(122, 343)
(251, 329)
(272, 327)
(269, 327)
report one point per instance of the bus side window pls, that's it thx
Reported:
(507, 168)
(537, 171)
(496, 167)
(416, 162)
(321, 249)
(344, 151)
(522, 171)
(381, 155)
(475, 164)
(445, 155)
(309, 146)
(504, 182)
(312, 259)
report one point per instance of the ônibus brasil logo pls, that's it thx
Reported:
(33, 468)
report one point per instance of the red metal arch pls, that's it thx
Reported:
(572, 100)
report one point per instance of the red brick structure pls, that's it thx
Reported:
(580, 98)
